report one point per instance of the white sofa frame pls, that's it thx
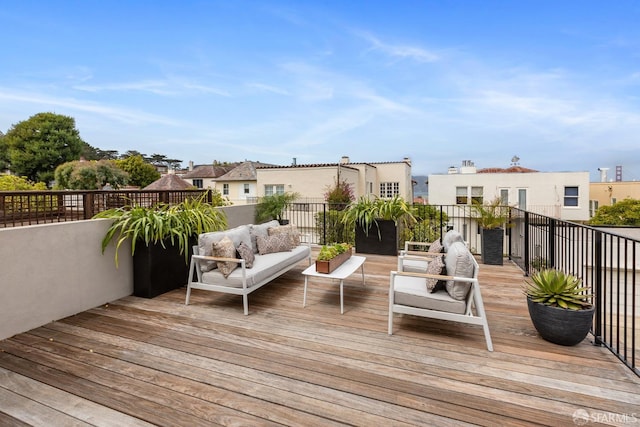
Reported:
(245, 290)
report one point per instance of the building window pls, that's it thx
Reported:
(522, 199)
(462, 195)
(504, 196)
(246, 189)
(389, 189)
(477, 195)
(271, 189)
(197, 183)
(593, 207)
(225, 189)
(571, 196)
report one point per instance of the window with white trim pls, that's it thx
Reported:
(246, 189)
(271, 189)
(477, 195)
(197, 183)
(570, 196)
(463, 198)
(225, 189)
(388, 190)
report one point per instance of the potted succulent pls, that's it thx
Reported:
(273, 206)
(376, 223)
(161, 238)
(559, 307)
(332, 256)
(492, 218)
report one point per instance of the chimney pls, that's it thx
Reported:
(452, 170)
(344, 160)
(603, 174)
(190, 165)
(294, 163)
(407, 160)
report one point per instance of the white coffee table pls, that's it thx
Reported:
(345, 270)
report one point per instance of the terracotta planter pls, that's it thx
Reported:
(330, 265)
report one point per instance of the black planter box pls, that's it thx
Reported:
(158, 269)
(492, 246)
(381, 239)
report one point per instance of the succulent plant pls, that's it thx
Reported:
(557, 289)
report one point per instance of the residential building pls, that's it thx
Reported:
(380, 179)
(240, 185)
(204, 176)
(608, 193)
(563, 195)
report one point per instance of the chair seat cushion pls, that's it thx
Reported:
(412, 291)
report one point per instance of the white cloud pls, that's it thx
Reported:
(415, 53)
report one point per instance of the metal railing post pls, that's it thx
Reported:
(597, 286)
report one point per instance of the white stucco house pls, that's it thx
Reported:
(563, 195)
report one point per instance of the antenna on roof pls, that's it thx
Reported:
(515, 160)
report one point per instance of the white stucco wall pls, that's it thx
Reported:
(51, 271)
(545, 190)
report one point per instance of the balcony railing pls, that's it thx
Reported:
(608, 263)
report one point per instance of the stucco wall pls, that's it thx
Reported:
(51, 271)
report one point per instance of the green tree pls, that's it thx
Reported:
(17, 183)
(89, 175)
(4, 154)
(38, 145)
(624, 212)
(140, 172)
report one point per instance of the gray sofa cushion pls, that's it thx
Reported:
(412, 291)
(206, 241)
(459, 262)
(264, 267)
(261, 230)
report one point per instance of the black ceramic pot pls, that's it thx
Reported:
(559, 325)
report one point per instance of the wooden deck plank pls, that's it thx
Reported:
(60, 401)
(207, 364)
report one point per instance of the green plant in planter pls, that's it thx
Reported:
(491, 215)
(559, 307)
(555, 288)
(162, 223)
(328, 252)
(272, 207)
(366, 212)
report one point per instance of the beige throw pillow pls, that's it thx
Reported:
(225, 249)
(275, 243)
(290, 230)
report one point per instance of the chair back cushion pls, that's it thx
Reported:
(459, 262)
(451, 237)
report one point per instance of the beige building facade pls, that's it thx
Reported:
(384, 179)
(608, 193)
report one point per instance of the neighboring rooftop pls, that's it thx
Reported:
(511, 169)
(209, 171)
(245, 171)
(169, 182)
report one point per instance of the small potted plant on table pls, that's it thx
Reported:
(559, 307)
(332, 256)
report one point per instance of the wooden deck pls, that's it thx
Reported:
(158, 362)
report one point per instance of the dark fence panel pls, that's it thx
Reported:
(607, 263)
(41, 207)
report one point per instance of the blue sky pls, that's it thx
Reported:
(556, 83)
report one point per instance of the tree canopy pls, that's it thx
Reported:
(40, 144)
(89, 175)
(624, 212)
(16, 183)
(140, 172)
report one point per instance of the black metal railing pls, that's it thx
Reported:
(607, 263)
